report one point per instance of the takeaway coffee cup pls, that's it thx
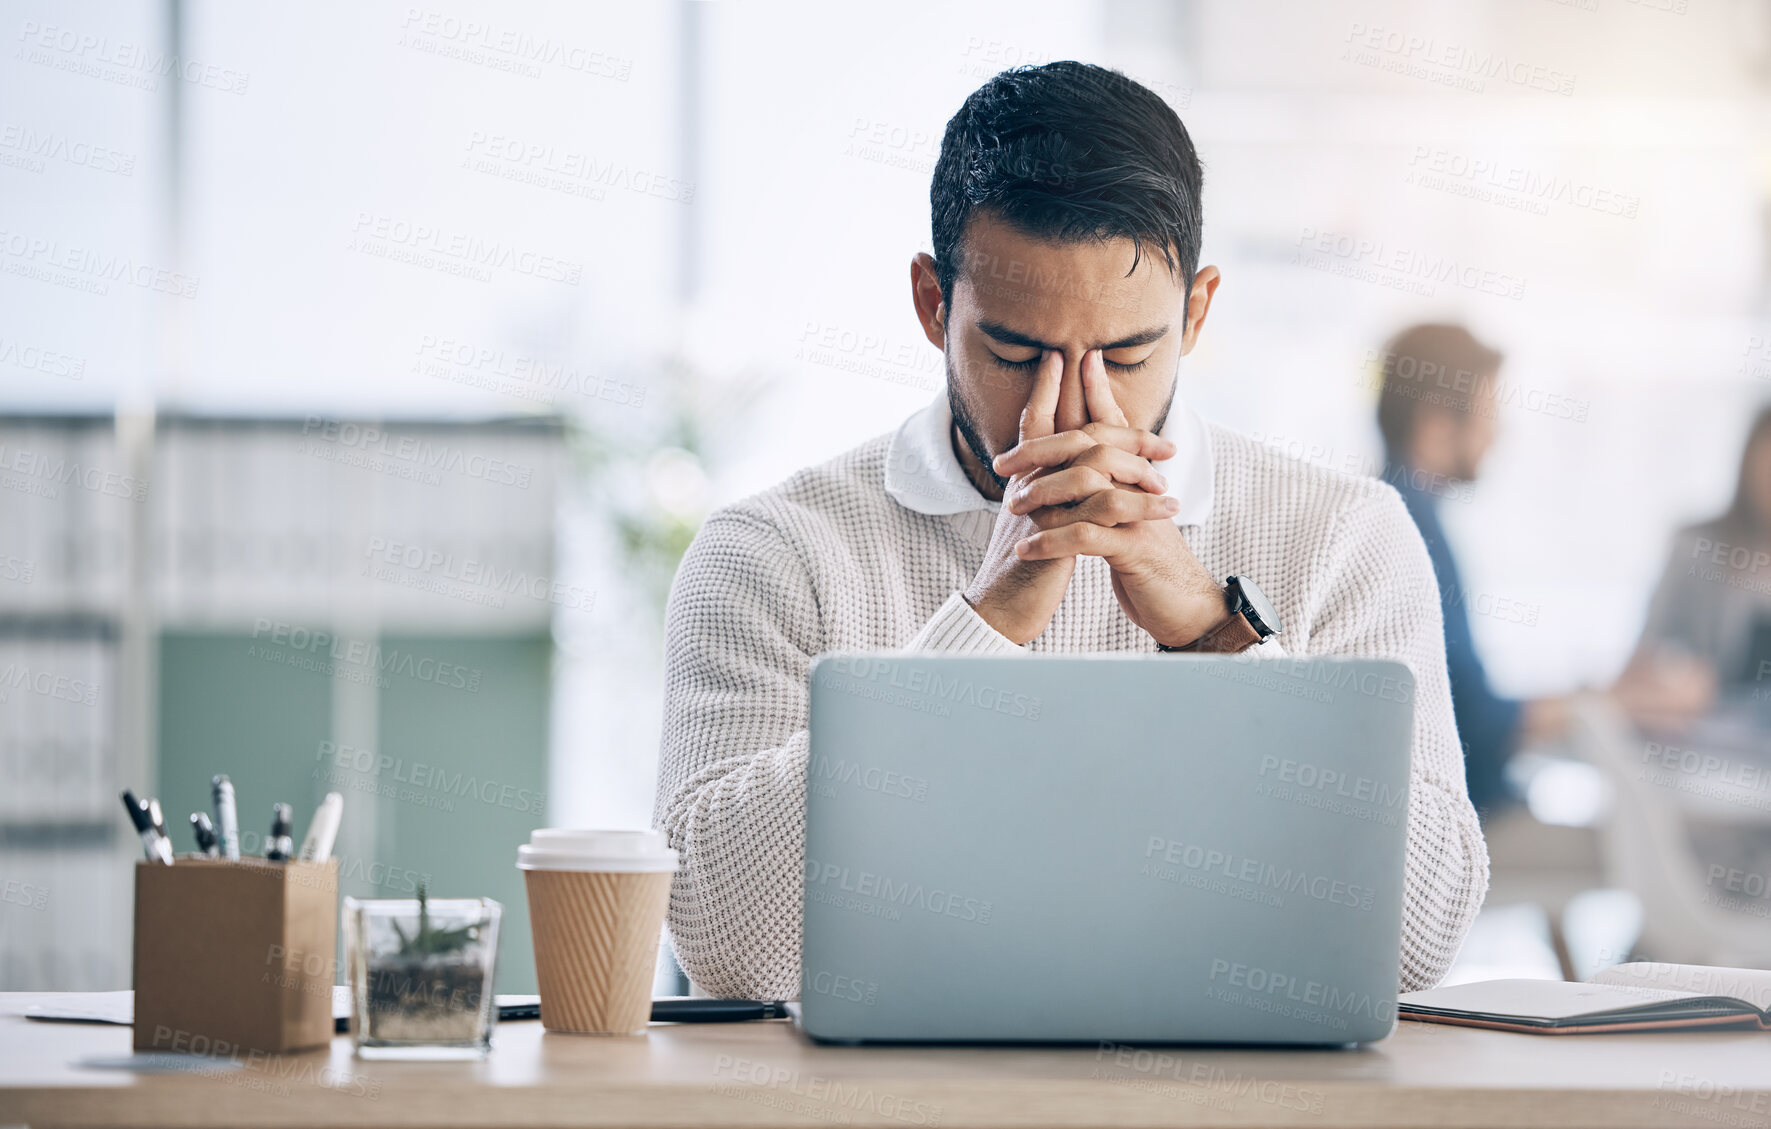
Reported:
(596, 908)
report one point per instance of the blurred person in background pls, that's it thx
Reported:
(1708, 634)
(1436, 410)
(1700, 678)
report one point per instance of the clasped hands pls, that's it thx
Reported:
(1081, 483)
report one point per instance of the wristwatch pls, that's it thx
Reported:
(1252, 620)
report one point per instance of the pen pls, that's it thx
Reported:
(205, 832)
(697, 1009)
(317, 847)
(227, 820)
(156, 846)
(665, 1009)
(278, 847)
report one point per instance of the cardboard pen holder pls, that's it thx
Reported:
(234, 956)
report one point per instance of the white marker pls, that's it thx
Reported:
(227, 818)
(317, 847)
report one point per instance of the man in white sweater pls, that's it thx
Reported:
(1058, 498)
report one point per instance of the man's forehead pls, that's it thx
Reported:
(1027, 283)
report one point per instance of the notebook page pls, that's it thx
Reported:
(1538, 999)
(1749, 984)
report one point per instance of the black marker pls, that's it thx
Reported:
(279, 847)
(155, 844)
(207, 844)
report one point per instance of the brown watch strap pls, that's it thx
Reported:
(1234, 635)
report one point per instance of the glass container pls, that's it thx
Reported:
(420, 973)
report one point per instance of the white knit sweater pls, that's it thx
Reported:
(871, 550)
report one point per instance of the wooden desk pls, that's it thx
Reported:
(757, 1074)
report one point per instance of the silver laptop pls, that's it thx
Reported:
(1105, 848)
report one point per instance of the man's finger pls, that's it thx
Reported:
(1108, 507)
(1074, 483)
(1072, 402)
(1039, 417)
(1081, 539)
(1123, 466)
(1055, 450)
(1098, 390)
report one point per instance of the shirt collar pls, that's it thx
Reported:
(923, 474)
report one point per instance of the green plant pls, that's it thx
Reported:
(429, 941)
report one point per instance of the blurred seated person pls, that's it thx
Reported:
(1709, 624)
(1437, 412)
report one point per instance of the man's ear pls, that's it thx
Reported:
(1205, 284)
(925, 292)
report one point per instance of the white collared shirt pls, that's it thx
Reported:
(923, 474)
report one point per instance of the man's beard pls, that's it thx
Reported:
(968, 430)
(967, 422)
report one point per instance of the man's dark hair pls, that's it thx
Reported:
(1068, 151)
(1431, 366)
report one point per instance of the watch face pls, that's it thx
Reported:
(1257, 607)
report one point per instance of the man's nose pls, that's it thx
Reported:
(1072, 410)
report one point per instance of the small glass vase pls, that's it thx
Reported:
(420, 973)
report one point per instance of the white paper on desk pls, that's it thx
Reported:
(119, 1007)
(1538, 999)
(87, 1007)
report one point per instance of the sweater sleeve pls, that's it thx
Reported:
(740, 634)
(956, 628)
(1383, 602)
(743, 628)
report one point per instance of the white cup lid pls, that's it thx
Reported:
(553, 848)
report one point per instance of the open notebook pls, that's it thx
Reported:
(1628, 997)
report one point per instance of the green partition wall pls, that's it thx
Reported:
(228, 704)
(481, 788)
(455, 781)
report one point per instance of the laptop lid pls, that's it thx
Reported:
(1120, 848)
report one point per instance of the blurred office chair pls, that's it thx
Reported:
(1644, 848)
